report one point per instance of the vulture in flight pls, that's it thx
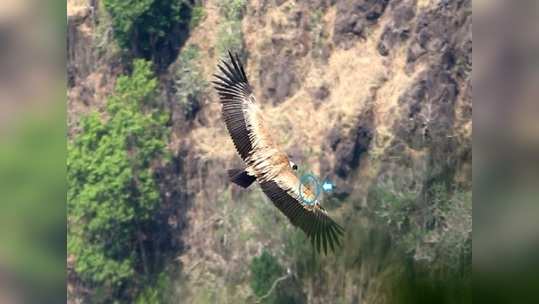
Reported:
(265, 162)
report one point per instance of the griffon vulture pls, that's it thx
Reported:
(265, 162)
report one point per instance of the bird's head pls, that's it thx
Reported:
(293, 165)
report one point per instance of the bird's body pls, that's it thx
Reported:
(265, 162)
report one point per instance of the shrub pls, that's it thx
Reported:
(434, 227)
(197, 15)
(104, 43)
(142, 25)
(317, 31)
(156, 292)
(232, 9)
(230, 36)
(189, 83)
(301, 253)
(112, 194)
(265, 272)
(265, 269)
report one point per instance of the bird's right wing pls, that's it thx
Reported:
(312, 219)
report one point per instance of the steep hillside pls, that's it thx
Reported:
(371, 94)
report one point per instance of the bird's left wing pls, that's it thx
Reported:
(244, 120)
(283, 191)
(236, 96)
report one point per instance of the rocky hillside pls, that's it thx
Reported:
(371, 94)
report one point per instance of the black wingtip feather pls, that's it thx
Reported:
(322, 231)
(328, 238)
(335, 236)
(325, 241)
(241, 69)
(229, 77)
(233, 69)
(319, 241)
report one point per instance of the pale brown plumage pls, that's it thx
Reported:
(265, 161)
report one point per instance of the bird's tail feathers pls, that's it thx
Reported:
(240, 177)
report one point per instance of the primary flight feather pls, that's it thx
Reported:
(265, 162)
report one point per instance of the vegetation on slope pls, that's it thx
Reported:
(151, 28)
(265, 269)
(112, 193)
(230, 36)
(435, 228)
(271, 283)
(189, 83)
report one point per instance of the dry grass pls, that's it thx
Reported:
(421, 4)
(75, 6)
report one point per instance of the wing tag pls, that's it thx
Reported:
(309, 189)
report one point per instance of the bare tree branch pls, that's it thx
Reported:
(286, 276)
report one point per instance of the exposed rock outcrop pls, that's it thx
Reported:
(354, 18)
(80, 54)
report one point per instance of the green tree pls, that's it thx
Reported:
(265, 269)
(143, 25)
(112, 193)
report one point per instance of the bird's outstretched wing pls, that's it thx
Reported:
(245, 122)
(235, 95)
(283, 191)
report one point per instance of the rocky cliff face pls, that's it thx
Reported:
(365, 93)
